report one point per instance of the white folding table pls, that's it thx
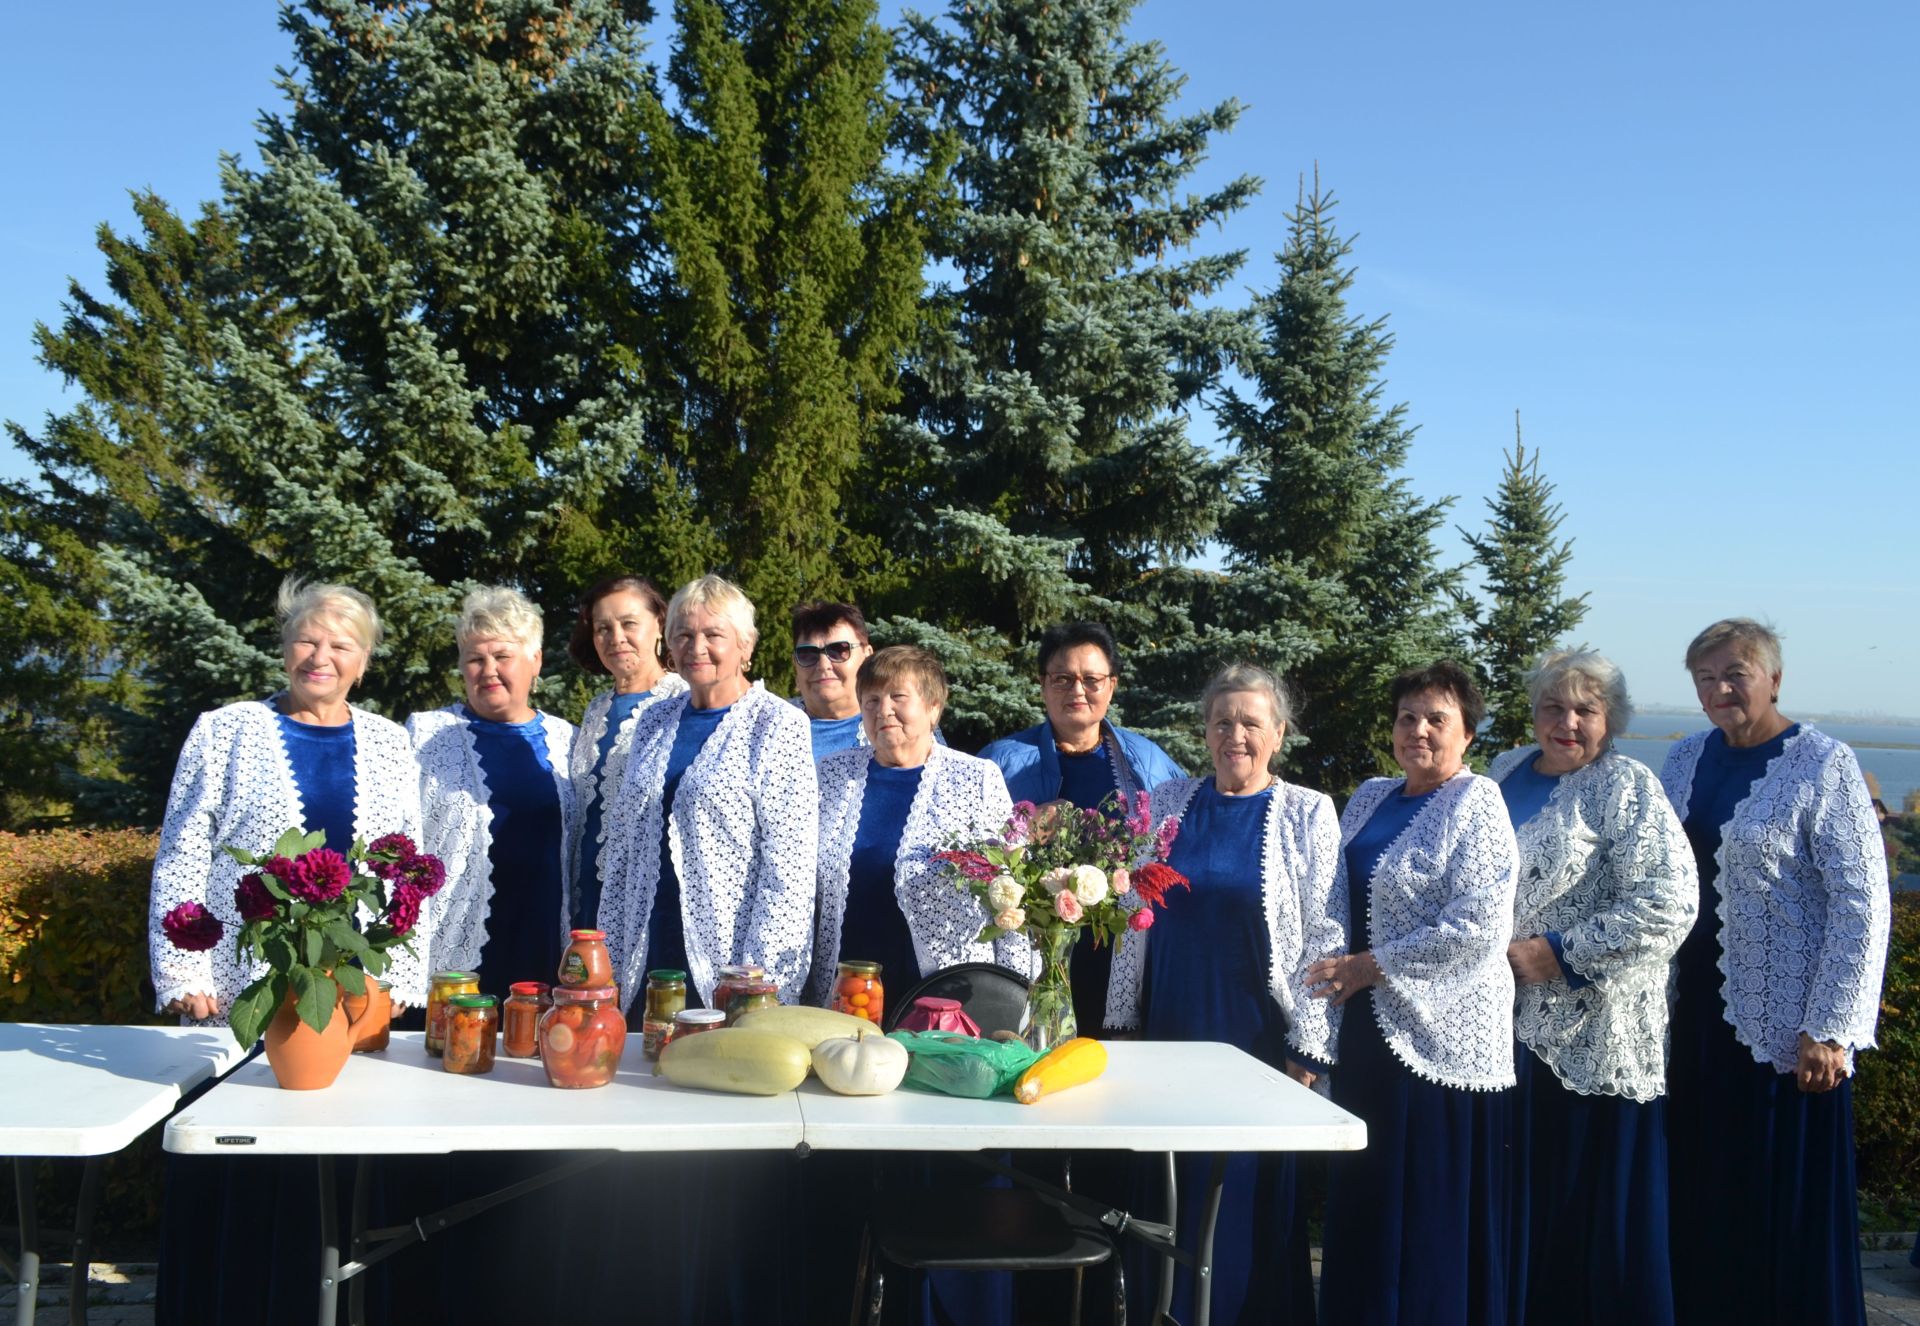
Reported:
(1154, 1097)
(89, 1091)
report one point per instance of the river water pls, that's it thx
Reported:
(1897, 769)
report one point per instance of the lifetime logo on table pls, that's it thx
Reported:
(234, 1141)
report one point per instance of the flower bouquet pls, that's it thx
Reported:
(1056, 870)
(297, 914)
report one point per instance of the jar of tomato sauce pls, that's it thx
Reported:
(666, 996)
(729, 979)
(586, 963)
(858, 990)
(520, 1019)
(583, 1036)
(446, 984)
(472, 1021)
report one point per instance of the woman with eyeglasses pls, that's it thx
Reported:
(1078, 756)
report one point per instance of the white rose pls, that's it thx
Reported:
(1089, 884)
(1004, 892)
(1060, 877)
(1011, 919)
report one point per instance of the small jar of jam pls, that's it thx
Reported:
(749, 995)
(693, 1021)
(472, 1021)
(857, 990)
(586, 963)
(583, 1036)
(446, 984)
(520, 1019)
(728, 979)
(666, 996)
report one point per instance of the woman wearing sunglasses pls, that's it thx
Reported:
(829, 645)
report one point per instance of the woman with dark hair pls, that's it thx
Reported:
(1417, 1225)
(620, 633)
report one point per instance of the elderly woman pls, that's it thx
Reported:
(711, 842)
(1775, 990)
(1227, 962)
(1607, 891)
(1078, 756)
(1417, 1224)
(884, 811)
(304, 757)
(621, 633)
(497, 801)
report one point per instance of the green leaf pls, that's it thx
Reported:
(241, 855)
(313, 944)
(344, 937)
(255, 1008)
(277, 952)
(275, 887)
(988, 934)
(295, 841)
(351, 979)
(375, 962)
(314, 995)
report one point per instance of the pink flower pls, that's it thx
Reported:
(192, 927)
(318, 876)
(403, 912)
(426, 873)
(1122, 882)
(253, 900)
(1141, 818)
(397, 845)
(1163, 841)
(282, 868)
(1067, 906)
(1141, 920)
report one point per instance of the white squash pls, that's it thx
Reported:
(864, 1064)
(805, 1024)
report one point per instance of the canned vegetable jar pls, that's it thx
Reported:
(446, 985)
(583, 1036)
(472, 1021)
(666, 996)
(520, 1019)
(857, 990)
(749, 995)
(729, 979)
(586, 963)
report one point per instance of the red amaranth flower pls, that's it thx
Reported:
(318, 876)
(1152, 881)
(192, 927)
(971, 864)
(253, 900)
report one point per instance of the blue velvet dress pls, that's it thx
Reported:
(586, 872)
(1418, 1224)
(1765, 1218)
(1590, 1178)
(525, 849)
(834, 734)
(1208, 962)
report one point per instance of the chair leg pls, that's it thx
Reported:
(860, 1274)
(879, 1293)
(1119, 1289)
(1078, 1285)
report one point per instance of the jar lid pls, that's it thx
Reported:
(472, 1001)
(384, 985)
(581, 994)
(935, 1004)
(699, 1017)
(860, 968)
(454, 977)
(589, 934)
(527, 988)
(746, 969)
(667, 974)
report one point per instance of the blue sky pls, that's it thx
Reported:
(1678, 239)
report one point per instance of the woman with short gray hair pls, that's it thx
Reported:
(1607, 892)
(498, 801)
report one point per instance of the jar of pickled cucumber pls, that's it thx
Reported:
(666, 996)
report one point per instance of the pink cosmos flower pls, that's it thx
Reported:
(253, 900)
(192, 927)
(1141, 920)
(318, 876)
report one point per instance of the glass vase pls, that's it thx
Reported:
(1050, 1017)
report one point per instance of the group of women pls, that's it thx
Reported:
(1482, 968)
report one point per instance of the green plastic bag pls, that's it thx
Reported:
(956, 1065)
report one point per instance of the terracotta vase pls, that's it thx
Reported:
(370, 1015)
(304, 1059)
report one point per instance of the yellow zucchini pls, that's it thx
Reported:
(1069, 1064)
(750, 1063)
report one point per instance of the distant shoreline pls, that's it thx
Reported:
(1872, 745)
(1866, 720)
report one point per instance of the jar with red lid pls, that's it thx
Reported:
(520, 1019)
(586, 963)
(858, 990)
(583, 1036)
(472, 1023)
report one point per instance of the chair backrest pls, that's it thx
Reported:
(995, 998)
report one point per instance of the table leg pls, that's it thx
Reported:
(29, 1268)
(1163, 1309)
(329, 1245)
(357, 1287)
(82, 1277)
(1209, 1219)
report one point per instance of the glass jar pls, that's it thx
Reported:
(446, 984)
(376, 1027)
(472, 1021)
(692, 1021)
(586, 963)
(730, 978)
(666, 996)
(858, 990)
(749, 995)
(520, 1019)
(583, 1036)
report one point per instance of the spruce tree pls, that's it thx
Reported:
(1326, 537)
(1044, 427)
(1524, 570)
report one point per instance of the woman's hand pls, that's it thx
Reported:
(1532, 961)
(199, 1007)
(1305, 1076)
(1343, 977)
(1822, 1066)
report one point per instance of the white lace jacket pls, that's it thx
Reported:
(1804, 908)
(744, 836)
(590, 779)
(1439, 917)
(459, 827)
(234, 786)
(1299, 852)
(1606, 866)
(959, 796)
